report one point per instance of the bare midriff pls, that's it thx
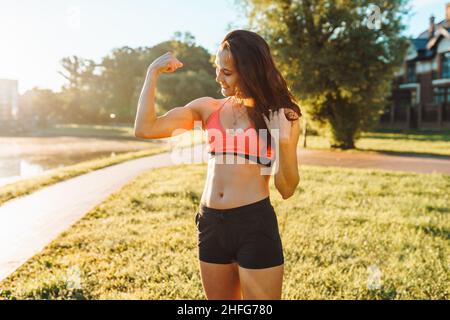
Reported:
(231, 184)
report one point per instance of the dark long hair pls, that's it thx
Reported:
(259, 78)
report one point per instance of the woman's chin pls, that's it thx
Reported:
(226, 92)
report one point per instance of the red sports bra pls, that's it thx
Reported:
(245, 142)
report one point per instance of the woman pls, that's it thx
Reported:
(240, 249)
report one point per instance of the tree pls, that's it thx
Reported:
(120, 71)
(39, 106)
(338, 56)
(83, 95)
(112, 86)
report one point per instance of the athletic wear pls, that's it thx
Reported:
(247, 235)
(245, 143)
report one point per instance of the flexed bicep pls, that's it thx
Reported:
(177, 120)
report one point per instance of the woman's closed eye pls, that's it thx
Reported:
(226, 74)
(218, 69)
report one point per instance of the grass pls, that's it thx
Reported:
(347, 234)
(413, 142)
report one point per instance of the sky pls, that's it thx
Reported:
(36, 35)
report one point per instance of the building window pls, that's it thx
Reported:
(439, 95)
(434, 75)
(445, 65)
(413, 98)
(411, 72)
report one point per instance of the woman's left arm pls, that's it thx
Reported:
(287, 176)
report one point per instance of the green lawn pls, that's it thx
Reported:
(347, 234)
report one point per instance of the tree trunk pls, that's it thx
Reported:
(343, 126)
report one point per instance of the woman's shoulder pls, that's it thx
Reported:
(214, 103)
(206, 106)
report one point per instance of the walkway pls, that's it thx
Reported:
(375, 160)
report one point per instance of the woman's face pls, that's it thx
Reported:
(226, 74)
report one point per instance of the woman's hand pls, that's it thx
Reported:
(166, 63)
(277, 120)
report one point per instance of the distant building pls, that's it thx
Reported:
(9, 97)
(421, 92)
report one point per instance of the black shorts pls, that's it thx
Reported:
(247, 235)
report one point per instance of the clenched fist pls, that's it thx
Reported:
(166, 63)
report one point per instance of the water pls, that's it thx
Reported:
(19, 168)
(22, 158)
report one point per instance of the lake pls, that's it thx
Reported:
(25, 157)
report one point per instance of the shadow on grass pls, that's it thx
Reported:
(50, 291)
(435, 232)
(383, 294)
(193, 196)
(442, 210)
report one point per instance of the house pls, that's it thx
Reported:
(421, 90)
(8, 101)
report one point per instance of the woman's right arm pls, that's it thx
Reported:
(147, 125)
